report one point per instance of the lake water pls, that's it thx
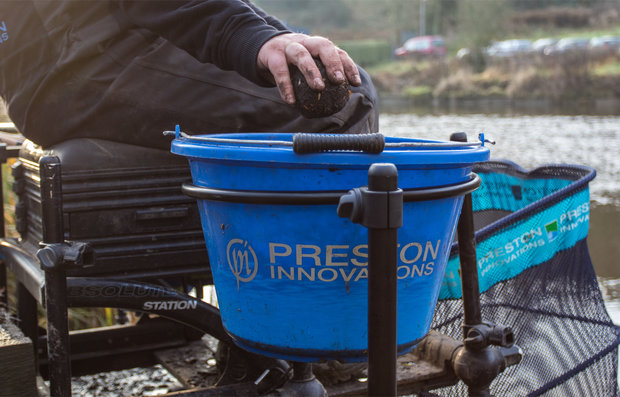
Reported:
(534, 140)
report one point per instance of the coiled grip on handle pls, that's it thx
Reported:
(315, 143)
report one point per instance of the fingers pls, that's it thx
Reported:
(299, 50)
(299, 56)
(272, 60)
(278, 66)
(337, 62)
(277, 61)
(324, 49)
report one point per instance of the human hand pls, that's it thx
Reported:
(299, 49)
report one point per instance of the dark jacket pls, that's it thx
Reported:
(44, 41)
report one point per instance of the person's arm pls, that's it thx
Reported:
(271, 20)
(227, 33)
(231, 35)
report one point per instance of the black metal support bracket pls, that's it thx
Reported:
(303, 383)
(379, 207)
(55, 277)
(477, 363)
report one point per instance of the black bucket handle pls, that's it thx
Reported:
(315, 143)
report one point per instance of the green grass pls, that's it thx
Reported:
(393, 67)
(611, 68)
(8, 199)
(418, 91)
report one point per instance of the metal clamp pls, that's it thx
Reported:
(68, 253)
(373, 209)
(271, 379)
(486, 334)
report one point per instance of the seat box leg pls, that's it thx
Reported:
(55, 278)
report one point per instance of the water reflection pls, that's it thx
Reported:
(601, 107)
(534, 140)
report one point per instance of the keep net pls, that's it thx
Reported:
(536, 276)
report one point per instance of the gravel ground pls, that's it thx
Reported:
(149, 381)
(194, 362)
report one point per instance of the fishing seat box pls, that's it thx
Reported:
(125, 200)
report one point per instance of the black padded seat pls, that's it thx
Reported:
(83, 154)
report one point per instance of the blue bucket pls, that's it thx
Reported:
(290, 275)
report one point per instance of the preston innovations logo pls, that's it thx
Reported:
(242, 260)
(552, 230)
(4, 34)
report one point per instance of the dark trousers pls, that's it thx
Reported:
(133, 99)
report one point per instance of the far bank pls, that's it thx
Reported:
(394, 103)
(568, 83)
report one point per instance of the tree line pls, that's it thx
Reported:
(394, 20)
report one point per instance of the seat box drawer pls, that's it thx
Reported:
(135, 216)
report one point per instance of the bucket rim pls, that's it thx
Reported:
(277, 152)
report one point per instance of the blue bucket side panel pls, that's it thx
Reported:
(296, 283)
(423, 261)
(295, 277)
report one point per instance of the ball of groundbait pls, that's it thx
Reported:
(313, 104)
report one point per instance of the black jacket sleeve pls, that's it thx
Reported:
(276, 23)
(227, 33)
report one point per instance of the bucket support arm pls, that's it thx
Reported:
(379, 208)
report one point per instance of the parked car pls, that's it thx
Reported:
(508, 48)
(568, 44)
(539, 46)
(604, 44)
(422, 46)
(463, 53)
